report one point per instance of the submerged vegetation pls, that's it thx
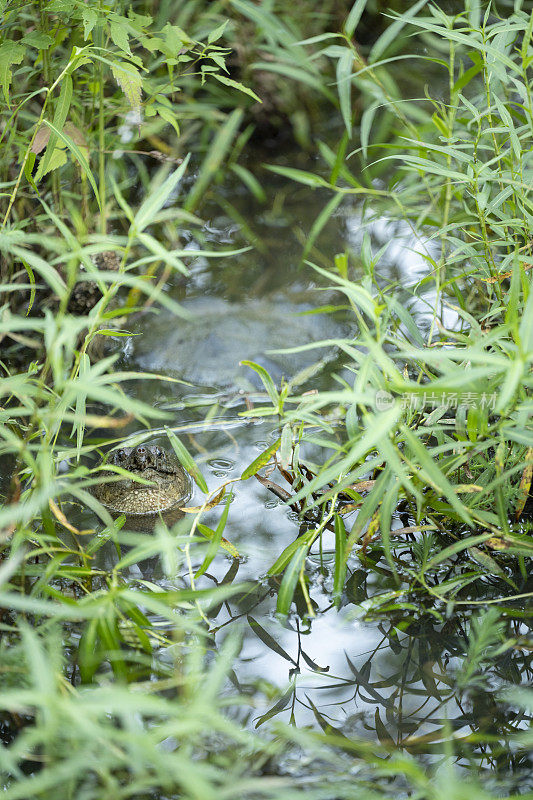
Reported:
(405, 462)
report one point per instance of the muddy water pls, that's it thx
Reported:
(383, 678)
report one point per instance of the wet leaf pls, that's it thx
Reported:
(261, 460)
(281, 562)
(283, 494)
(384, 736)
(428, 679)
(58, 514)
(281, 704)
(326, 726)
(486, 561)
(312, 664)
(269, 640)
(470, 541)
(362, 677)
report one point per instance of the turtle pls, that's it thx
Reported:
(169, 489)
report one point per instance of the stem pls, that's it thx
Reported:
(25, 159)
(49, 93)
(101, 127)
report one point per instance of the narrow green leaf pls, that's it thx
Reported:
(352, 20)
(322, 220)
(219, 76)
(392, 32)
(286, 446)
(186, 460)
(281, 562)
(526, 323)
(214, 544)
(267, 381)
(156, 200)
(366, 126)
(344, 87)
(290, 579)
(225, 544)
(457, 547)
(437, 478)
(340, 562)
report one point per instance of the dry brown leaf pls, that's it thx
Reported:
(75, 134)
(41, 139)
(501, 277)
(362, 486)
(212, 503)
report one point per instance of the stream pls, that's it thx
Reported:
(371, 670)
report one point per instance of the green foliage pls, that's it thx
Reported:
(440, 423)
(111, 686)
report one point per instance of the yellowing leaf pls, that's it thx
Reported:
(212, 503)
(209, 533)
(261, 460)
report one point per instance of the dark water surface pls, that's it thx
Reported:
(383, 676)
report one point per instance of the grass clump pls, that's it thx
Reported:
(430, 416)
